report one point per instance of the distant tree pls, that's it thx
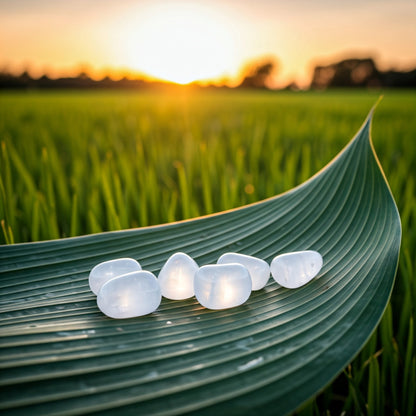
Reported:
(292, 86)
(44, 82)
(360, 73)
(397, 79)
(259, 74)
(347, 73)
(83, 75)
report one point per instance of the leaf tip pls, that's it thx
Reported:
(370, 115)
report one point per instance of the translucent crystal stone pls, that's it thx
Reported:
(130, 295)
(176, 278)
(103, 272)
(293, 270)
(259, 270)
(221, 286)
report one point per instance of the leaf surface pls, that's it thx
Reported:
(60, 355)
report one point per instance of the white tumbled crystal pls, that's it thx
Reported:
(221, 286)
(292, 270)
(176, 278)
(107, 270)
(130, 295)
(259, 270)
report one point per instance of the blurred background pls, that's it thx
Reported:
(274, 44)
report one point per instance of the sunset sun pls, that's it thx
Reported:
(181, 43)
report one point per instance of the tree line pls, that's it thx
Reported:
(348, 73)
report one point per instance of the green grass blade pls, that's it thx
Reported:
(74, 217)
(374, 390)
(409, 376)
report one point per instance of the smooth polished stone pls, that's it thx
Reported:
(176, 278)
(107, 270)
(259, 269)
(222, 286)
(130, 295)
(292, 270)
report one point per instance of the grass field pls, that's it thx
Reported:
(79, 162)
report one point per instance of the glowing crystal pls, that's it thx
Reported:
(221, 286)
(293, 270)
(107, 270)
(259, 270)
(130, 295)
(176, 278)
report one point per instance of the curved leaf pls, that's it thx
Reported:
(59, 354)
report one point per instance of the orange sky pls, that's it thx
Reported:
(183, 41)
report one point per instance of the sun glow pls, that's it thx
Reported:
(181, 43)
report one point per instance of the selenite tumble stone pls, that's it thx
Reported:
(130, 295)
(259, 270)
(292, 270)
(107, 270)
(222, 286)
(176, 279)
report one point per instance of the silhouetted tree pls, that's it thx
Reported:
(347, 73)
(397, 79)
(259, 74)
(360, 73)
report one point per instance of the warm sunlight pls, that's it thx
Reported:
(204, 40)
(180, 43)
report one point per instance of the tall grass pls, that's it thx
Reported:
(77, 163)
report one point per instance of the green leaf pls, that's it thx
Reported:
(60, 355)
